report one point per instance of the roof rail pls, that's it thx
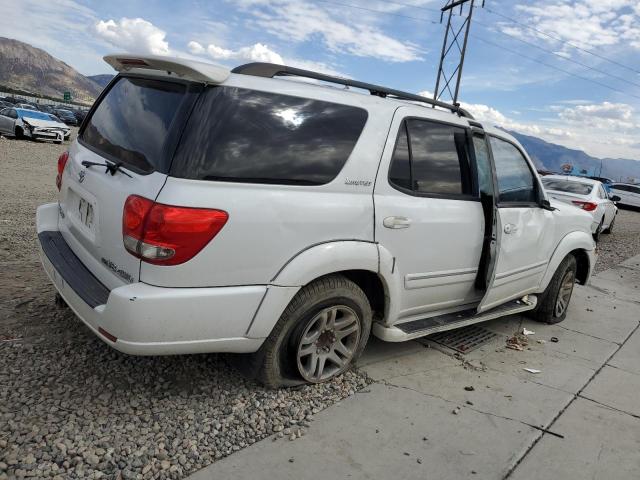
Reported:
(270, 70)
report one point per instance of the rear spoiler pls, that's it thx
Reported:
(182, 67)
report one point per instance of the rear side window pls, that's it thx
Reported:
(241, 135)
(516, 183)
(431, 158)
(133, 121)
(567, 186)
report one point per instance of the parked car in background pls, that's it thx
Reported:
(587, 194)
(629, 194)
(208, 210)
(79, 114)
(66, 116)
(25, 106)
(21, 123)
(606, 182)
(4, 104)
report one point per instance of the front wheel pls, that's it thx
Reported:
(554, 302)
(318, 337)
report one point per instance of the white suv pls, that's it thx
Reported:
(203, 210)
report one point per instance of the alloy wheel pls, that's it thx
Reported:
(328, 343)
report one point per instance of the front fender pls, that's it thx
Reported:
(577, 240)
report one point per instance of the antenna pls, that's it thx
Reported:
(451, 39)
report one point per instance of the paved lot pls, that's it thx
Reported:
(578, 418)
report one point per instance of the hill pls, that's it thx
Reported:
(101, 80)
(550, 156)
(31, 69)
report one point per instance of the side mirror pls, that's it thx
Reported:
(547, 205)
(615, 198)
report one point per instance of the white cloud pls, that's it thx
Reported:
(600, 129)
(195, 48)
(254, 53)
(261, 53)
(134, 35)
(605, 116)
(297, 21)
(586, 23)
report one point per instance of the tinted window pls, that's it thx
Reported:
(243, 135)
(436, 153)
(132, 122)
(623, 188)
(567, 186)
(516, 182)
(400, 170)
(12, 113)
(4, 112)
(485, 182)
(434, 161)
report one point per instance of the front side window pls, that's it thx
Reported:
(431, 158)
(241, 135)
(516, 183)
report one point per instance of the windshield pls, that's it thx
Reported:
(33, 114)
(567, 186)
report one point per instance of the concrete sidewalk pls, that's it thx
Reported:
(578, 418)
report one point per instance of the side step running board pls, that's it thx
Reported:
(427, 326)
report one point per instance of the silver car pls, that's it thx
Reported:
(21, 122)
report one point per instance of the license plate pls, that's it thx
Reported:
(85, 212)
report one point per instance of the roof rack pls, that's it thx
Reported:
(270, 70)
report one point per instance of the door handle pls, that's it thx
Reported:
(396, 222)
(510, 228)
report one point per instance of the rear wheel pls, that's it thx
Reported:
(596, 235)
(609, 229)
(554, 302)
(318, 337)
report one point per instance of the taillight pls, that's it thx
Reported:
(167, 235)
(588, 206)
(62, 162)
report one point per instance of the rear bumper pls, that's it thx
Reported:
(144, 319)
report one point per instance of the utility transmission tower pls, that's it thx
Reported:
(452, 59)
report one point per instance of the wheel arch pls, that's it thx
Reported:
(581, 246)
(356, 260)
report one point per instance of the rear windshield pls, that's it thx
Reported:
(133, 122)
(241, 135)
(568, 186)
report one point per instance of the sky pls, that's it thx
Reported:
(567, 71)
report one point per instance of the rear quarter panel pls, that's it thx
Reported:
(271, 224)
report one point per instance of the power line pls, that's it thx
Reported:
(372, 10)
(553, 66)
(566, 42)
(420, 19)
(551, 52)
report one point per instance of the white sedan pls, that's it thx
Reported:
(587, 194)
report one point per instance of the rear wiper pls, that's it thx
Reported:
(110, 167)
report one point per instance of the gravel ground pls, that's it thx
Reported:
(71, 407)
(622, 243)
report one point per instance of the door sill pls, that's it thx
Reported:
(426, 326)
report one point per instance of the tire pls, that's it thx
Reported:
(284, 358)
(57, 142)
(19, 133)
(596, 235)
(552, 307)
(609, 229)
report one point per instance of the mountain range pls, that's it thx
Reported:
(30, 69)
(552, 157)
